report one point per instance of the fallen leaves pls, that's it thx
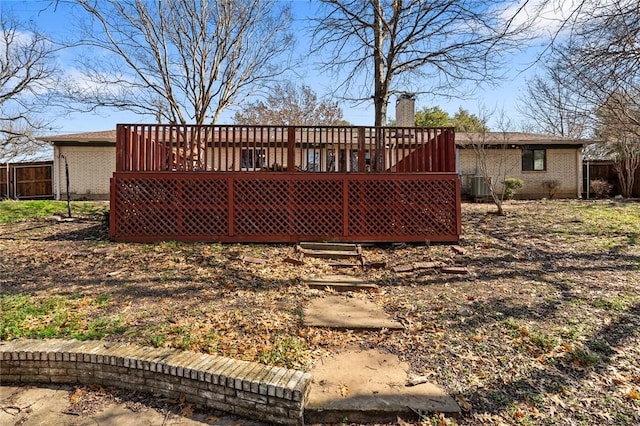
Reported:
(532, 269)
(343, 390)
(88, 400)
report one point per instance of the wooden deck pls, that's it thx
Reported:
(276, 184)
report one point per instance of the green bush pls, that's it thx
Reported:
(511, 187)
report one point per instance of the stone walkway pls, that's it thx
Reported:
(355, 385)
(28, 405)
(363, 386)
(370, 386)
(343, 312)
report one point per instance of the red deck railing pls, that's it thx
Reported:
(276, 148)
(284, 184)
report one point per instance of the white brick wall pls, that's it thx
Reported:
(90, 169)
(562, 165)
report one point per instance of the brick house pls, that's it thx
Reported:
(534, 158)
(92, 160)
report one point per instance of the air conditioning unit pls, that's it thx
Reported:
(479, 187)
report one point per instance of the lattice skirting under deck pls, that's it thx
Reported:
(285, 207)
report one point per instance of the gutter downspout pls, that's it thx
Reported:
(588, 179)
(66, 170)
(56, 173)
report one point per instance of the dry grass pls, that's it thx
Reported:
(543, 330)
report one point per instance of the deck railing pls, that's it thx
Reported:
(232, 148)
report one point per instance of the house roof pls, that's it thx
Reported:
(87, 137)
(462, 139)
(516, 138)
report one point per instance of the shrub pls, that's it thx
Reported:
(511, 187)
(601, 187)
(552, 187)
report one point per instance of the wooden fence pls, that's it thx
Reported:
(603, 169)
(22, 181)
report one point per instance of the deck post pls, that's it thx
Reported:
(361, 151)
(291, 149)
(113, 209)
(345, 207)
(120, 135)
(451, 150)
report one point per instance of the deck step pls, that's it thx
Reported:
(330, 250)
(340, 283)
(328, 246)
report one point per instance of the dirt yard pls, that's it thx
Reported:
(543, 329)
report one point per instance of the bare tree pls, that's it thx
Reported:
(27, 75)
(381, 47)
(622, 143)
(490, 149)
(289, 105)
(553, 107)
(601, 63)
(180, 60)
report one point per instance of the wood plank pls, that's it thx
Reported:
(335, 278)
(332, 254)
(340, 283)
(455, 270)
(337, 286)
(343, 265)
(328, 246)
(427, 265)
(403, 268)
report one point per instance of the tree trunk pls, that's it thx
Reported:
(381, 86)
(626, 171)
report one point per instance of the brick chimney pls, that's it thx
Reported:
(406, 110)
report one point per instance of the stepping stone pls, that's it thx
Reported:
(340, 283)
(458, 250)
(403, 268)
(369, 387)
(347, 313)
(426, 265)
(459, 270)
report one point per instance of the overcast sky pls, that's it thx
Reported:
(58, 23)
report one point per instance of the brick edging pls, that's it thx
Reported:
(248, 389)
